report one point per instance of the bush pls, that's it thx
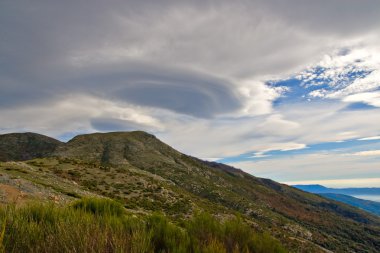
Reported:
(102, 225)
(98, 206)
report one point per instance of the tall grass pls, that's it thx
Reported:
(100, 225)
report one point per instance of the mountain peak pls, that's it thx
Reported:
(119, 134)
(113, 147)
(26, 146)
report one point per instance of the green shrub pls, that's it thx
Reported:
(203, 229)
(166, 237)
(102, 225)
(99, 206)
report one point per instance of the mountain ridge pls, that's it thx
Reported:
(316, 188)
(367, 205)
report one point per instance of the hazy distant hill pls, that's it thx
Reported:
(370, 206)
(147, 175)
(343, 195)
(316, 188)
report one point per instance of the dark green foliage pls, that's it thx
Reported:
(90, 184)
(204, 228)
(73, 194)
(167, 237)
(233, 235)
(74, 173)
(104, 207)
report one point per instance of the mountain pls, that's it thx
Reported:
(367, 205)
(315, 188)
(147, 175)
(343, 195)
(26, 146)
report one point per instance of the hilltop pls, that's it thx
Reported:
(26, 146)
(147, 175)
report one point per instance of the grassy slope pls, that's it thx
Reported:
(35, 180)
(147, 175)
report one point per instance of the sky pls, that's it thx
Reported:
(283, 89)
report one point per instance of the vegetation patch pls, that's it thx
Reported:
(99, 206)
(102, 225)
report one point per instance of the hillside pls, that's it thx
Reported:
(146, 175)
(367, 205)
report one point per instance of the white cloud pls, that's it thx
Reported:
(368, 153)
(370, 138)
(192, 72)
(371, 98)
(340, 183)
(352, 76)
(211, 159)
(328, 121)
(285, 146)
(75, 114)
(259, 155)
(315, 167)
(258, 97)
(360, 85)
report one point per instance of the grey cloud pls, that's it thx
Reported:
(337, 18)
(186, 92)
(179, 98)
(41, 39)
(181, 91)
(105, 124)
(184, 56)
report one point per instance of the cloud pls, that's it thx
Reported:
(77, 114)
(351, 77)
(368, 153)
(316, 167)
(198, 74)
(281, 146)
(166, 47)
(341, 183)
(259, 155)
(258, 97)
(182, 91)
(371, 98)
(327, 121)
(328, 17)
(370, 138)
(111, 125)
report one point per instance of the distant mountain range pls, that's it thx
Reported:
(316, 188)
(345, 195)
(368, 205)
(147, 175)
